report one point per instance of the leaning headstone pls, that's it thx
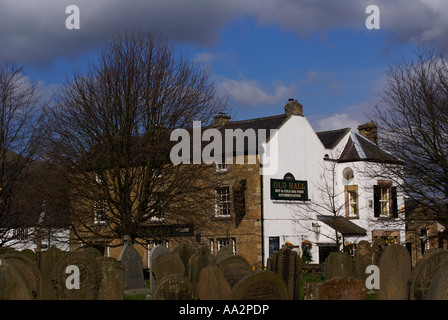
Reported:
(134, 282)
(424, 272)
(66, 270)
(212, 285)
(184, 251)
(260, 285)
(13, 285)
(224, 252)
(338, 264)
(47, 261)
(174, 287)
(438, 289)
(29, 271)
(198, 261)
(112, 279)
(167, 264)
(234, 269)
(395, 271)
(362, 259)
(156, 252)
(286, 263)
(340, 288)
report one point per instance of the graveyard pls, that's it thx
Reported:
(187, 273)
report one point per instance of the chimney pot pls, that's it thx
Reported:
(293, 107)
(221, 119)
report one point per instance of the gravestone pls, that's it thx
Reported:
(13, 285)
(174, 287)
(223, 253)
(286, 263)
(156, 252)
(212, 285)
(198, 261)
(378, 246)
(184, 251)
(89, 277)
(47, 260)
(362, 259)
(338, 264)
(423, 273)
(260, 285)
(234, 269)
(28, 269)
(340, 288)
(438, 289)
(395, 271)
(112, 279)
(167, 264)
(134, 282)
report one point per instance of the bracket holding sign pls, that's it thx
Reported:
(289, 188)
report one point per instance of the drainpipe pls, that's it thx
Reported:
(262, 219)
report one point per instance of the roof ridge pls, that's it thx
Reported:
(261, 118)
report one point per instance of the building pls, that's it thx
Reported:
(318, 191)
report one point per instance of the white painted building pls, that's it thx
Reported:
(348, 192)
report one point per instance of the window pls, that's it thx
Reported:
(385, 201)
(221, 167)
(424, 243)
(21, 234)
(99, 210)
(274, 245)
(351, 201)
(222, 202)
(157, 212)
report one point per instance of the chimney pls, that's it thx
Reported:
(369, 130)
(292, 107)
(221, 119)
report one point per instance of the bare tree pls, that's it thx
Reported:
(112, 134)
(329, 204)
(413, 126)
(21, 128)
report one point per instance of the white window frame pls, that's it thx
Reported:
(223, 205)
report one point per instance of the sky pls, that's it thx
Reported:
(260, 52)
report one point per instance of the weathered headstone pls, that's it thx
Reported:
(112, 279)
(198, 261)
(212, 285)
(438, 289)
(424, 272)
(338, 264)
(134, 282)
(260, 285)
(174, 287)
(286, 263)
(224, 252)
(13, 285)
(184, 251)
(156, 252)
(340, 288)
(47, 261)
(89, 277)
(395, 271)
(28, 270)
(167, 264)
(234, 269)
(362, 259)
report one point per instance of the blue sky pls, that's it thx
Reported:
(260, 52)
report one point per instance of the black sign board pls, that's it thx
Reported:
(289, 188)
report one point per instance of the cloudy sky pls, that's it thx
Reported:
(260, 52)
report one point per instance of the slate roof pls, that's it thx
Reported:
(359, 148)
(331, 138)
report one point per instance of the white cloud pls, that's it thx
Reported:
(337, 121)
(251, 93)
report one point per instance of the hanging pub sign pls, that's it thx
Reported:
(289, 188)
